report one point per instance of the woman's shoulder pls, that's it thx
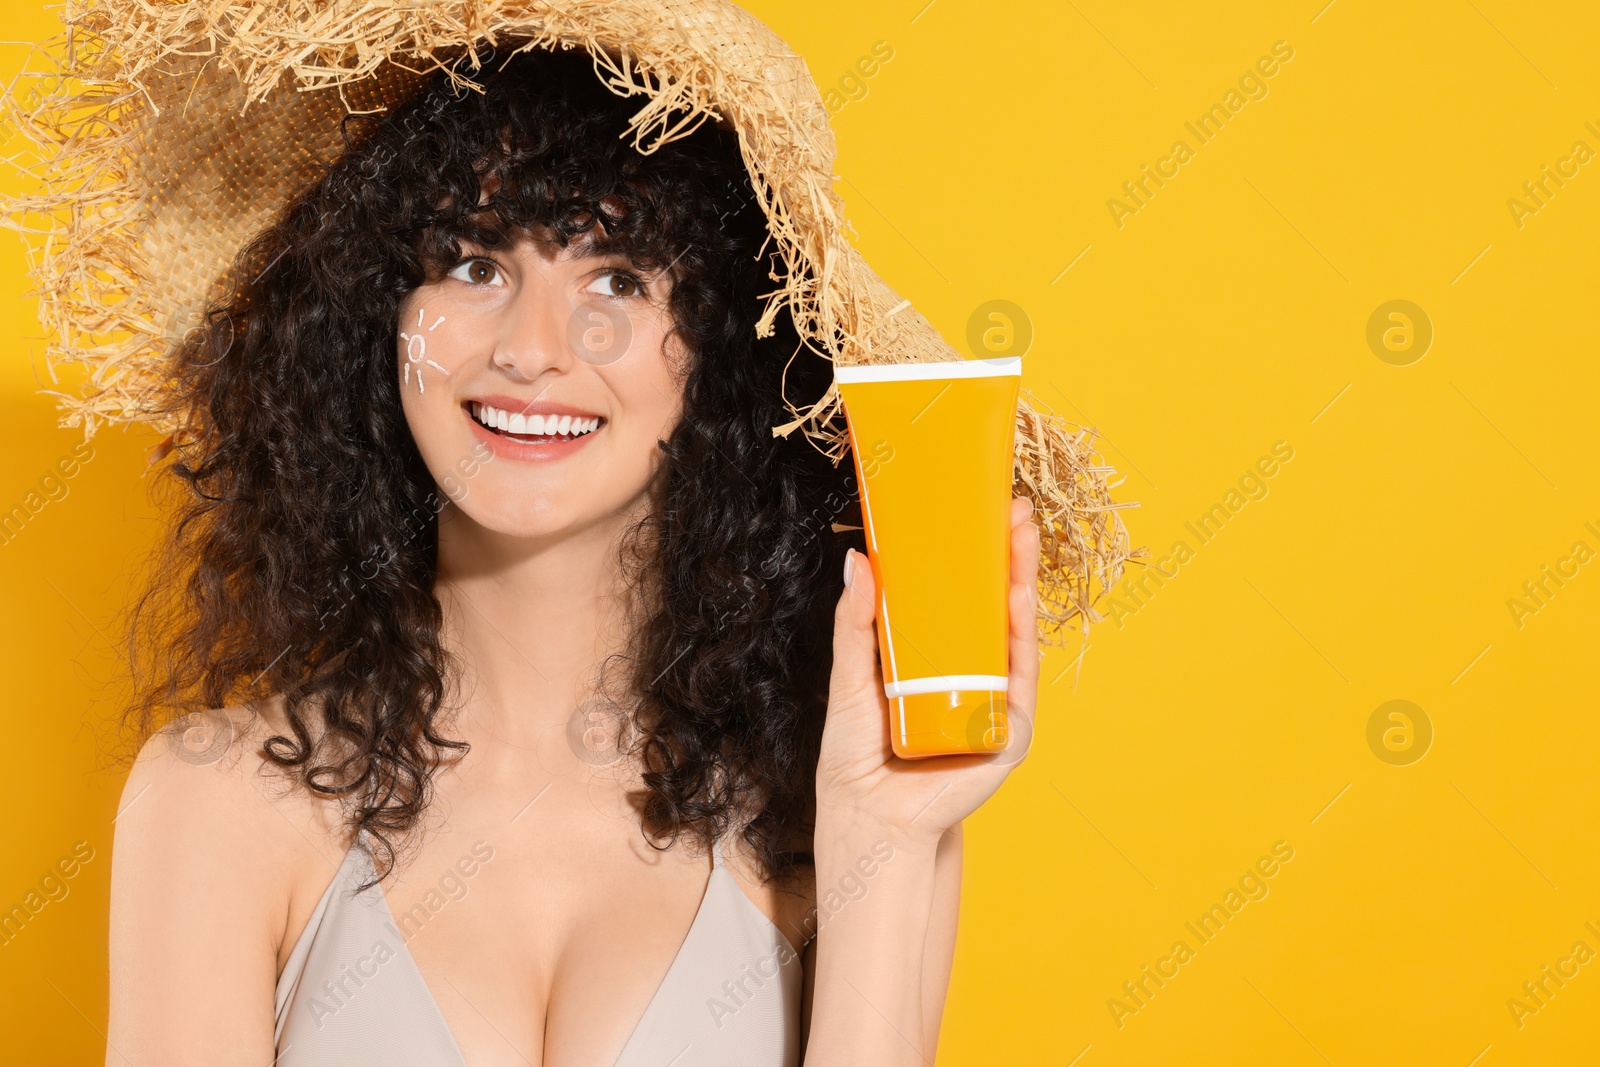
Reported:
(208, 770)
(218, 859)
(204, 810)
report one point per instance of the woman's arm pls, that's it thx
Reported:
(887, 928)
(938, 947)
(938, 953)
(200, 873)
(870, 978)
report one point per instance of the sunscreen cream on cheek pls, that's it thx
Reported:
(933, 446)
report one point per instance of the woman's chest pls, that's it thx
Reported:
(544, 940)
(546, 931)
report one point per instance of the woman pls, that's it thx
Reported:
(542, 626)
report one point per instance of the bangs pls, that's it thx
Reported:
(541, 150)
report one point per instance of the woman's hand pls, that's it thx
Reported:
(859, 778)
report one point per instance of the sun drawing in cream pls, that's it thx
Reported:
(417, 349)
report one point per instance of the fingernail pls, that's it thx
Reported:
(849, 565)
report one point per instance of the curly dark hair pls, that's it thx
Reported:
(303, 556)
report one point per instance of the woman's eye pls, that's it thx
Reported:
(617, 283)
(477, 272)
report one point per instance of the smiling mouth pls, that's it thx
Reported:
(532, 429)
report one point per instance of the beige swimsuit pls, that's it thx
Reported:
(350, 994)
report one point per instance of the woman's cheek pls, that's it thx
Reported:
(420, 345)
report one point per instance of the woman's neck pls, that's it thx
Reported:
(528, 621)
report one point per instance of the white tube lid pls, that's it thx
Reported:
(913, 372)
(944, 683)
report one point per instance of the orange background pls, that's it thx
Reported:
(1227, 709)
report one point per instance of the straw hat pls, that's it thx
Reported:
(172, 131)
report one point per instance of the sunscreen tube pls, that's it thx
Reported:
(933, 449)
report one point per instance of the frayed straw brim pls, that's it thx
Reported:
(170, 133)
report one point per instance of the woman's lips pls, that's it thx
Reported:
(548, 444)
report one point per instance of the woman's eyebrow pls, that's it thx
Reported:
(593, 242)
(590, 247)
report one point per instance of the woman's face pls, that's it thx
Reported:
(565, 352)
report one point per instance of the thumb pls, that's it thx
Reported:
(855, 641)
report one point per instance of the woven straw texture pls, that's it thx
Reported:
(170, 133)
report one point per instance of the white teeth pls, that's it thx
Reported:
(533, 425)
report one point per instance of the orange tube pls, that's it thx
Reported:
(933, 451)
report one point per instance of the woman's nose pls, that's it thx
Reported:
(533, 338)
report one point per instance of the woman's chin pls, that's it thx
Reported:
(535, 517)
